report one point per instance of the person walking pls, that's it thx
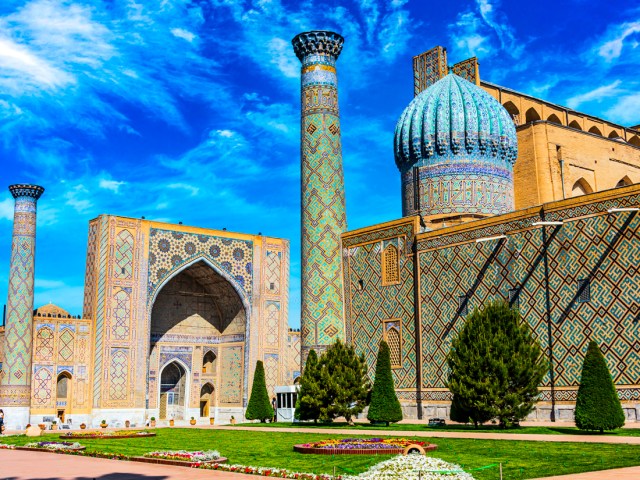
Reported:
(1, 421)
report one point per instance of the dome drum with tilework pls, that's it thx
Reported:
(455, 147)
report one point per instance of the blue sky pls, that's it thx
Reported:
(189, 110)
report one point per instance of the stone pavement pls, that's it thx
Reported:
(22, 465)
(435, 434)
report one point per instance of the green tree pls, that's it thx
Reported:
(310, 394)
(344, 382)
(384, 406)
(259, 407)
(597, 406)
(495, 367)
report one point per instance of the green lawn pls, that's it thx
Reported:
(521, 459)
(413, 427)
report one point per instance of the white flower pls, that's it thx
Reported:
(413, 467)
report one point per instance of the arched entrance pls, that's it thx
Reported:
(173, 391)
(198, 320)
(63, 395)
(206, 400)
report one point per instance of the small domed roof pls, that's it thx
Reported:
(51, 310)
(453, 117)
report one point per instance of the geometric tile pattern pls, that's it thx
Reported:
(118, 374)
(271, 372)
(123, 255)
(271, 324)
(65, 345)
(44, 343)
(121, 308)
(42, 385)
(272, 271)
(169, 250)
(467, 69)
(322, 184)
(19, 314)
(428, 68)
(370, 305)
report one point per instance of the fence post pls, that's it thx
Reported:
(500, 471)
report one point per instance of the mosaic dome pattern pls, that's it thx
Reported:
(455, 147)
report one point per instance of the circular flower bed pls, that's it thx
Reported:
(182, 457)
(53, 446)
(413, 467)
(360, 446)
(110, 434)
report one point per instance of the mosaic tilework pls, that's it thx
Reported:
(44, 343)
(428, 68)
(168, 353)
(65, 345)
(123, 255)
(100, 309)
(271, 372)
(19, 314)
(468, 69)
(370, 305)
(118, 368)
(600, 248)
(273, 271)
(42, 381)
(231, 384)
(120, 313)
(323, 203)
(170, 250)
(90, 271)
(272, 324)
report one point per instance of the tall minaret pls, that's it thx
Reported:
(323, 205)
(15, 388)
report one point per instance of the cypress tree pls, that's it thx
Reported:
(259, 407)
(310, 394)
(384, 406)
(495, 366)
(344, 382)
(597, 406)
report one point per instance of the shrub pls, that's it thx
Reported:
(259, 407)
(495, 367)
(309, 396)
(384, 406)
(597, 406)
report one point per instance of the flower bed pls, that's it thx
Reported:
(110, 435)
(52, 446)
(268, 472)
(413, 467)
(4, 446)
(182, 457)
(361, 446)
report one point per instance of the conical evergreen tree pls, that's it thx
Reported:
(344, 382)
(259, 407)
(310, 394)
(384, 406)
(597, 406)
(495, 366)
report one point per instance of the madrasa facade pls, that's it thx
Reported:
(504, 196)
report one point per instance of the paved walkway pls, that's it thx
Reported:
(22, 465)
(435, 434)
(615, 474)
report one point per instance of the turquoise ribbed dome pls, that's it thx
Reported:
(453, 117)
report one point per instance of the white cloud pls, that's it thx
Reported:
(111, 185)
(611, 48)
(78, 198)
(626, 110)
(193, 191)
(48, 284)
(596, 94)
(184, 34)
(6, 209)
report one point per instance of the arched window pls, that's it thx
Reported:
(575, 124)
(532, 115)
(390, 266)
(513, 111)
(613, 134)
(624, 181)
(209, 363)
(635, 141)
(393, 339)
(595, 130)
(206, 399)
(63, 384)
(553, 118)
(581, 187)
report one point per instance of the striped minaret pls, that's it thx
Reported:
(323, 206)
(15, 387)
